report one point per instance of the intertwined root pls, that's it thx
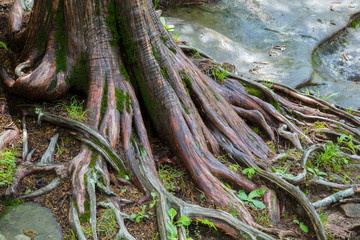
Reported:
(200, 117)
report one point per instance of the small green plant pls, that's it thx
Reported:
(155, 236)
(348, 141)
(249, 199)
(169, 28)
(250, 171)
(106, 225)
(268, 84)
(75, 109)
(350, 110)
(60, 149)
(7, 166)
(156, 4)
(332, 156)
(317, 172)
(183, 221)
(283, 171)
(218, 74)
(234, 167)
(170, 177)
(176, 36)
(3, 45)
(143, 214)
(196, 54)
(140, 215)
(154, 201)
(301, 225)
(207, 222)
(323, 217)
(323, 97)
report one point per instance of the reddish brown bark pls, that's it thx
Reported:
(200, 120)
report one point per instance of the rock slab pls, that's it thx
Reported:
(29, 217)
(351, 209)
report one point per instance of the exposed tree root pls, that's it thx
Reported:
(336, 197)
(201, 117)
(8, 135)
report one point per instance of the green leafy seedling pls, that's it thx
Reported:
(207, 222)
(140, 215)
(183, 221)
(302, 226)
(250, 171)
(249, 199)
(234, 167)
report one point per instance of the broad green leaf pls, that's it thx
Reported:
(172, 213)
(153, 195)
(184, 221)
(304, 227)
(254, 194)
(162, 20)
(258, 204)
(242, 195)
(132, 216)
(341, 138)
(173, 230)
(296, 221)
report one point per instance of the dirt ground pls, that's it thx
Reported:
(180, 184)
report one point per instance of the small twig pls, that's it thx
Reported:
(336, 197)
(54, 184)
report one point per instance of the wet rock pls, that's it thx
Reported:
(2, 237)
(30, 219)
(271, 40)
(22, 237)
(351, 209)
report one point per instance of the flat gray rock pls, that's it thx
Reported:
(351, 209)
(29, 217)
(272, 40)
(22, 237)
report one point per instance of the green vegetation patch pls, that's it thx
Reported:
(124, 73)
(254, 92)
(7, 166)
(122, 97)
(117, 26)
(94, 158)
(355, 23)
(104, 101)
(187, 81)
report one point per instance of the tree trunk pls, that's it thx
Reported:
(119, 53)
